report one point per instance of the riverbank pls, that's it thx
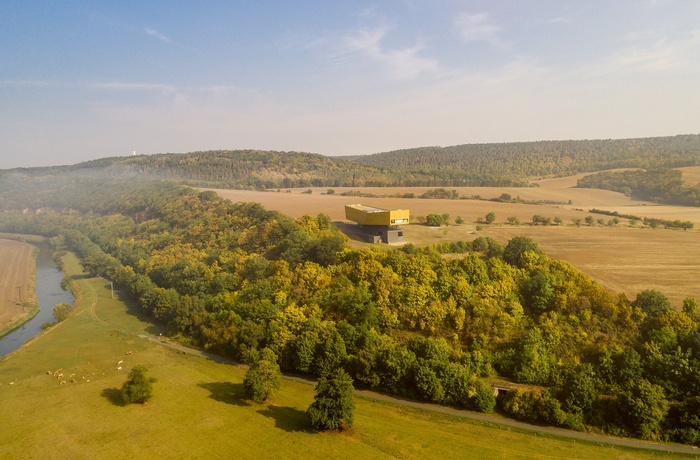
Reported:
(46, 292)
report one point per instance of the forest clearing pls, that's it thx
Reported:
(16, 281)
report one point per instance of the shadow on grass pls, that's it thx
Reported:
(114, 395)
(82, 276)
(133, 308)
(288, 419)
(226, 392)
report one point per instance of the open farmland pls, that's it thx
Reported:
(621, 258)
(16, 280)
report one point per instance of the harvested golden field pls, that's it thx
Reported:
(691, 175)
(621, 258)
(16, 280)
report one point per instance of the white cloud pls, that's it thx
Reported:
(401, 63)
(661, 54)
(123, 86)
(477, 28)
(158, 35)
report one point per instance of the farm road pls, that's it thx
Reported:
(670, 448)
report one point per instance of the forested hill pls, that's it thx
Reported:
(242, 169)
(466, 165)
(520, 160)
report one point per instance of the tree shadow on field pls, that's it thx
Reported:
(114, 395)
(288, 419)
(226, 392)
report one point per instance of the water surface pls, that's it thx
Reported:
(48, 293)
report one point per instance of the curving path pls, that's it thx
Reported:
(370, 395)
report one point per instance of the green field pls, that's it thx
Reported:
(198, 410)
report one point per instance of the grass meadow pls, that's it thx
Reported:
(198, 410)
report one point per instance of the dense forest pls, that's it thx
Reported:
(232, 278)
(512, 164)
(658, 185)
(521, 160)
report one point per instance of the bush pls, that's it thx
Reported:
(483, 398)
(138, 388)
(434, 220)
(61, 311)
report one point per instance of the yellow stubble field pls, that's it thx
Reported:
(621, 258)
(16, 280)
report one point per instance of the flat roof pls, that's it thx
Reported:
(368, 209)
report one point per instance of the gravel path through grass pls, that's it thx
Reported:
(550, 431)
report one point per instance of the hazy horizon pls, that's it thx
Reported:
(82, 81)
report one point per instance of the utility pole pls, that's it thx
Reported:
(111, 284)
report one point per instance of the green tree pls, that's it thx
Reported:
(516, 247)
(434, 220)
(263, 377)
(61, 311)
(579, 390)
(652, 302)
(138, 388)
(589, 221)
(643, 407)
(334, 403)
(459, 220)
(490, 217)
(690, 306)
(512, 220)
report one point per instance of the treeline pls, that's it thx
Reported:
(520, 160)
(496, 165)
(657, 185)
(234, 278)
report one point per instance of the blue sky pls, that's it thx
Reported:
(85, 80)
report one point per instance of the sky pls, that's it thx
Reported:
(81, 80)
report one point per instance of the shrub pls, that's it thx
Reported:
(138, 388)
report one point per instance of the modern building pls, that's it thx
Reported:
(377, 224)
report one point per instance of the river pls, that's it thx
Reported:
(48, 293)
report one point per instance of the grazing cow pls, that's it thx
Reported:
(119, 368)
(63, 382)
(120, 363)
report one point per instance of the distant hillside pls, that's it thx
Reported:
(520, 160)
(499, 165)
(241, 169)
